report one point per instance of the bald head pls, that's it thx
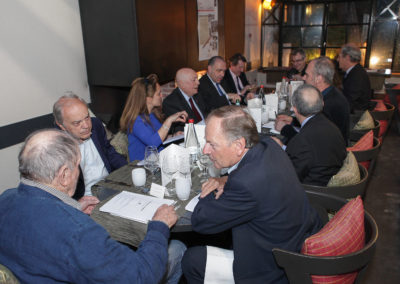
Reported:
(45, 152)
(187, 81)
(307, 100)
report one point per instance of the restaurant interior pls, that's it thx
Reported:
(102, 45)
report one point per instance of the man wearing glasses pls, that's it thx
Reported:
(298, 61)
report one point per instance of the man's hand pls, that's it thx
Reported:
(233, 97)
(286, 118)
(166, 214)
(250, 96)
(277, 140)
(213, 184)
(279, 124)
(88, 203)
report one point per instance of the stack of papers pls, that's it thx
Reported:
(133, 206)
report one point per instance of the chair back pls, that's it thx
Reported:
(383, 114)
(347, 191)
(356, 135)
(370, 154)
(299, 267)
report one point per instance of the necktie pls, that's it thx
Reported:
(219, 90)
(239, 88)
(196, 113)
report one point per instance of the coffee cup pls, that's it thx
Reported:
(182, 186)
(139, 176)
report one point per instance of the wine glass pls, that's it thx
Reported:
(151, 160)
(184, 166)
(169, 168)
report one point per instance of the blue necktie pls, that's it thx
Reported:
(219, 90)
(237, 79)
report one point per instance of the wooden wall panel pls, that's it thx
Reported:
(234, 22)
(161, 37)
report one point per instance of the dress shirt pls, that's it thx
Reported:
(237, 81)
(348, 71)
(187, 98)
(234, 167)
(219, 88)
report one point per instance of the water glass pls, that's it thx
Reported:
(151, 160)
(182, 186)
(169, 168)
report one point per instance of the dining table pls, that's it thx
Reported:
(129, 231)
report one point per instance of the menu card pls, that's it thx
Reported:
(133, 206)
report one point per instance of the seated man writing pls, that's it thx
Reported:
(318, 150)
(99, 158)
(261, 201)
(45, 237)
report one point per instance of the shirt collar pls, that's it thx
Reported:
(327, 90)
(306, 120)
(234, 167)
(184, 95)
(348, 70)
(60, 195)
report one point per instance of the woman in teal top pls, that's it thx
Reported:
(142, 118)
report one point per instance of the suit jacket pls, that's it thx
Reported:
(317, 151)
(112, 160)
(357, 88)
(176, 102)
(256, 206)
(48, 241)
(336, 109)
(229, 85)
(210, 94)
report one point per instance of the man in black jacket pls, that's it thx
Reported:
(320, 73)
(318, 150)
(356, 84)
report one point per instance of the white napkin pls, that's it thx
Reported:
(219, 266)
(256, 115)
(271, 101)
(293, 86)
(254, 103)
(169, 152)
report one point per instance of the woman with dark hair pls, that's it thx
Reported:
(142, 118)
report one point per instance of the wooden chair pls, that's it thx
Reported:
(369, 155)
(299, 267)
(347, 191)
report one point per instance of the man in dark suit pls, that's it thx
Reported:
(356, 84)
(210, 87)
(185, 97)
(99, 158)
(318, 150)
(235, 80)
(261, 201)
(320, 73)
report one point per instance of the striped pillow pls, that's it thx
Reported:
(365, 143)
(342, 235)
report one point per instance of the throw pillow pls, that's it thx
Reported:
(342, 235)
(120, 143)
(348, 174)
(365, 143)
(366, 122)
(380, 106)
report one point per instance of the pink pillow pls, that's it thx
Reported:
(365, 143)
(343, 234)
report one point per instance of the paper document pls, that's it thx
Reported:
(173, 139)
(134, 206)
(192, 204)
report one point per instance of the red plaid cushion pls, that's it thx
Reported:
(342, 235)
(366, 142)
(380, 106)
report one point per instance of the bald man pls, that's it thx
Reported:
(185, 97)
(99, 158)
(318, 150)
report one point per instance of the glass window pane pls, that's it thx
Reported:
(339, 35)
(311, 36)
(387, 9)
(270, 18)
(355, 12)
(291, 37)
(311, 14)
(270, 46)
(383, 36)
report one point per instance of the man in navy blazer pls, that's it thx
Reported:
(210, 88)
(356, 84)
(235, 80)
(185, 97)
(99, 158)
(261, 201)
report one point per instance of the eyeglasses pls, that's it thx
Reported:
(298, 60)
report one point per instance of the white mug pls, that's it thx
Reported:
(139, 176)
(182, 186)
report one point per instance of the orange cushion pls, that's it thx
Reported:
(343, 234)
(366, 142)
(380, 105)
(383, 128)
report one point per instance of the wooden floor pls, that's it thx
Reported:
(383, 202)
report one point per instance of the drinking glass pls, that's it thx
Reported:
(151, 160)
(184, 166)
(169, 168)
(205, 164)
